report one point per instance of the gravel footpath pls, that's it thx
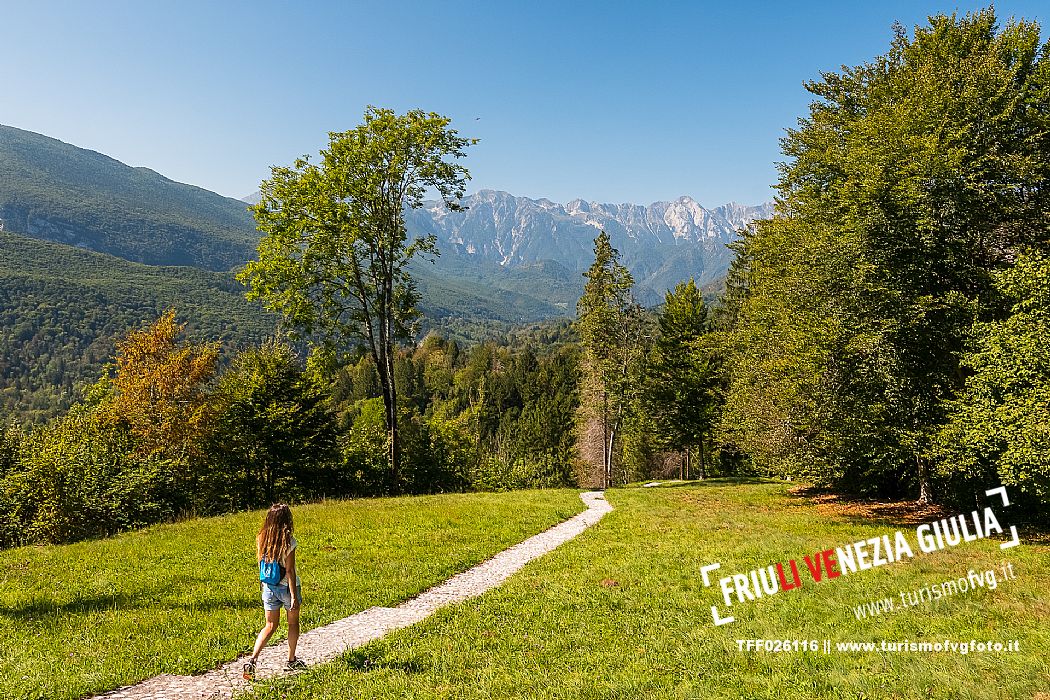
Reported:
(326, 643)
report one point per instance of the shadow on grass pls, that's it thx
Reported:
(360, 660)
(866, 510)
(861, 510)
(41, 608)
(713, 481)
(221, 604)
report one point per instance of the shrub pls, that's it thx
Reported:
(275, 438)
(75, 479)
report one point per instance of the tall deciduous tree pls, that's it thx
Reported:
(335, 254)
(160, 390)
(914, 178)
(999, 427)
(610, 325)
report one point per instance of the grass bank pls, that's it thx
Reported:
(621, 612)
(87, 618)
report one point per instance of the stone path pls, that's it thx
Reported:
(328, 642)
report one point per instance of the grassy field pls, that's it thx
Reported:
(90, 617)
(621, 612)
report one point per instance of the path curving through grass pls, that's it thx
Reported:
(182, 599)
(330, 641)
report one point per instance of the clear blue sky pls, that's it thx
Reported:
(609, 101)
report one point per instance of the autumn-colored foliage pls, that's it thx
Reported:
(160, 389)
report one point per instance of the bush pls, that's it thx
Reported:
(365, 468)
(275, 438)
(10, 533)
(74, 479)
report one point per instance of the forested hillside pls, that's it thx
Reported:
(63, 307)
(62, 310)
(55, 191)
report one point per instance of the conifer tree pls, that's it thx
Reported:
(610, 325)
(680, 387)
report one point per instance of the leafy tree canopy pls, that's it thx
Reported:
(333, 261)
(913, 179)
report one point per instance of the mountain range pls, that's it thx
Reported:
(91, 247)
(662, 243)
(55, 191)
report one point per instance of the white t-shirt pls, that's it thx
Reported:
(292, 544)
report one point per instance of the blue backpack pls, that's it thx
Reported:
(270, 572)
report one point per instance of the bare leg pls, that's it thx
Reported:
(273, 618)
(293, 631)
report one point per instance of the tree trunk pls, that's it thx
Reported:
(606, 442)
(703, 464)
(395, 437)
(383, 357)
(925, 492)
(395, 451)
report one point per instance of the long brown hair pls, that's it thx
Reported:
(275, 537)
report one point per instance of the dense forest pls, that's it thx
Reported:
(167, 431)
(62, 310)
(886, 333)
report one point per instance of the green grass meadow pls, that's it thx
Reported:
(83, 619)
(621, 612)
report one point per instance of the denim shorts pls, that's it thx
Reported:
(276, 597)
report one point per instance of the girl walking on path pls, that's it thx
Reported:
(275, 543)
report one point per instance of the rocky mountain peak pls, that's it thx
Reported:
(662, 243)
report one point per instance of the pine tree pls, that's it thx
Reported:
(680, 388)
(609, 322)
